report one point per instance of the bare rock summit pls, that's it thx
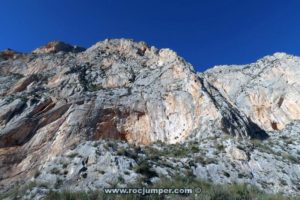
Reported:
(61, 103)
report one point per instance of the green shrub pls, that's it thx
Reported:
(65, 165)
(37, 173)
(55, 171)
(291, 158)
(209, 192)
(73, 155)
(143, 167)
(262, 146)
(220, 147)
(172, 150)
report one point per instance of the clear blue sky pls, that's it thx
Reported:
(204, 32)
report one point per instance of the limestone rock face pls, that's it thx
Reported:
(61, 96)
(267, 91)
(57, 46)
(115, 89)
(8, 54)
(237, 154)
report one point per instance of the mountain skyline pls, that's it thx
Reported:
(205, 33)
(75, 119)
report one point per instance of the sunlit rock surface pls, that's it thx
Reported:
(267, 91)
(61, 103)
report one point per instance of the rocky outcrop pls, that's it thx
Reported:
(8, 54)
(122, 87)
(266, 91)
(233, 121)
(60, 96)
(57, 46)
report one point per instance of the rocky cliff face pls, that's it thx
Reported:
(62, 100)
(266, 91)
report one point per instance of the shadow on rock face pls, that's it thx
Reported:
(257, 132)
(251, 129)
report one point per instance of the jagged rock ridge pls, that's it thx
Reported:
(266, 91)
(61, 95)
(129, 86)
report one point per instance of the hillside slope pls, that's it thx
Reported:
(62, 105)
